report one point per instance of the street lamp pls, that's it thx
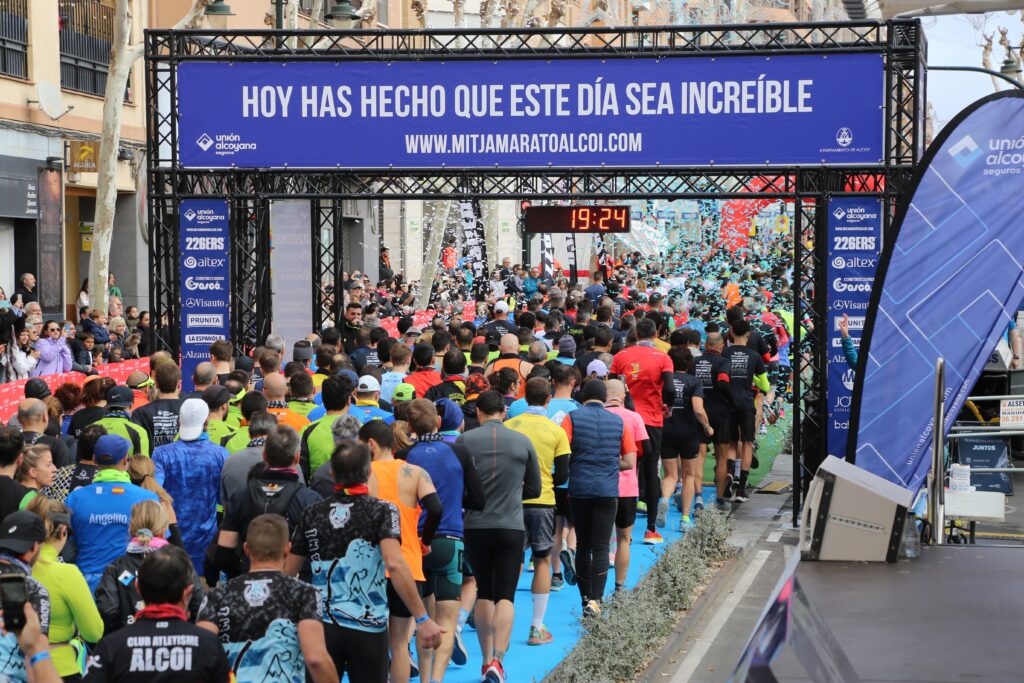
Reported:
(342, 14)
(1011, 68)
(218, 13)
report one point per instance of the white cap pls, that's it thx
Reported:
(598, 368)
(192, 418)
(368, 384)
(501, 307)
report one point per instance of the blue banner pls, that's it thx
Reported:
(680, 111)
(205, 280)
(950, 283)
(854, 242)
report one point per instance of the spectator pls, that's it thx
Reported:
(71, 477)
(384, 270)
(112, 288)
(74, 619)
(96, 324)
(54, 354)
(19, 358)
(117, 597)
(102, 509)
(159, 417)
(34, 420)
(25, 293)
(166, 583)
(276, 487)
(190, 470)
(119, 400)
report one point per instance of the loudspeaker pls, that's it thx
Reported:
(852, 515)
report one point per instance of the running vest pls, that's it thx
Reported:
(516, 364)
(387, 473)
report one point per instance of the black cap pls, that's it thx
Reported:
(593, 390)
(216, 396)
(20, 531)
(36, 388)
(244, 363)
(120, 397)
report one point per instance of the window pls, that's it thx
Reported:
(86, 36)
(14, 38)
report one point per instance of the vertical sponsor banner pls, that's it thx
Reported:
(570, 248)
(475, 246)
(291, 268)
(950, 282)
(602, 256)
(51, 241)
(205, 280)
(547, 256)
(854, 242)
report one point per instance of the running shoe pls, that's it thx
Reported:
(414, 671)
(471, 621)
(529, 567)
(677, 498)
(592, 610)
(653, 538)
(730, 482)
(698, 505)
(568, 559)
(557, 583)
(764, 429)
(539, 636)
(662, 517)
(494, 673)
(755, 463)
(724, 506)
(460, 655)
(741, 495)
(641, 508)
(685, 524)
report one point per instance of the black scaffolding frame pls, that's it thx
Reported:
(900, 42)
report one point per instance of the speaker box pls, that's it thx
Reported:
(852, 515)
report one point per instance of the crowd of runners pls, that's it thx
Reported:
(361, 501)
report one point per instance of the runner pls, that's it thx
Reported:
(686, 430)
(746, 371)
(712, 369)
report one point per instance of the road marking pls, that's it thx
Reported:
(774, 536)
(693, 658)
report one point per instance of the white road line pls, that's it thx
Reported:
(774, 537)
(700, 648)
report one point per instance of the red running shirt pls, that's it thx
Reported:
(641, 367)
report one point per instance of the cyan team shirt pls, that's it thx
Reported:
(558, 408)
(341, 538)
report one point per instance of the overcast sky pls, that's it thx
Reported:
(955, 41)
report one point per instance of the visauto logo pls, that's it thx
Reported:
(965, 151)
(844, 137)
(839, 213)
(201, 338)
(204, 320)
(205, 142)
(852, 285)
(193, 284)
(848, 378)
(190, 215)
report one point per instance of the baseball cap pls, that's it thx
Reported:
(596, 367)
(350, 375)
(120, 397)
(302, 350)
(21, 530)
(413, 332)
(215, 396)
(192, 419)
(110, 449)
(404, 392)
(36, 388)
(501, 307)
(244, 363)
(368, 384)
(451, 414)
(357, 284)
(567, 344)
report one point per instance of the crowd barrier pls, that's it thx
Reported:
(12, 393)
(421, 319)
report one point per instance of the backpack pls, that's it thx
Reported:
(276, 503)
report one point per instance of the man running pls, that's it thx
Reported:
(746, 371)
(712, 370)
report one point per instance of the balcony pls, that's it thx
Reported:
(86, 36)
(14, 38)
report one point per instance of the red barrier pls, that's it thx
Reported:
(421, 319)
(12, 393)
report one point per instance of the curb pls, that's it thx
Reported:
(663, 663)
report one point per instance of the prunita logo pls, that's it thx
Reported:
(844, 137)
(190, 215)
(204, 320)
(965, 151)
(192, 284)
(205, 142)
(839, 213)
(848, 378)
(189, 262)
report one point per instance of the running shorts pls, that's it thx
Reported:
(496, 555)
(625, 513)
(540, 529)
(442, 568)
(743, 424)
(396, 606)
(562, 507)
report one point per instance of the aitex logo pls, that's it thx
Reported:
(965, 151)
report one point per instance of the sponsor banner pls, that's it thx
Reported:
(475, 245)
(854, 236)
(1011, 413)
(671, 111)
(949, 285)
(205, 280)
(291, 268)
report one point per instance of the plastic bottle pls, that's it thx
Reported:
(911, 546)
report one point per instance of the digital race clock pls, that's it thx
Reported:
(594, 219)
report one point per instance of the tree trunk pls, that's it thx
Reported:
(122, 56)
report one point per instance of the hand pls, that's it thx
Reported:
(428, 634)
(844, 326)
(709, 430)
(35, 354)
(424, 548)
